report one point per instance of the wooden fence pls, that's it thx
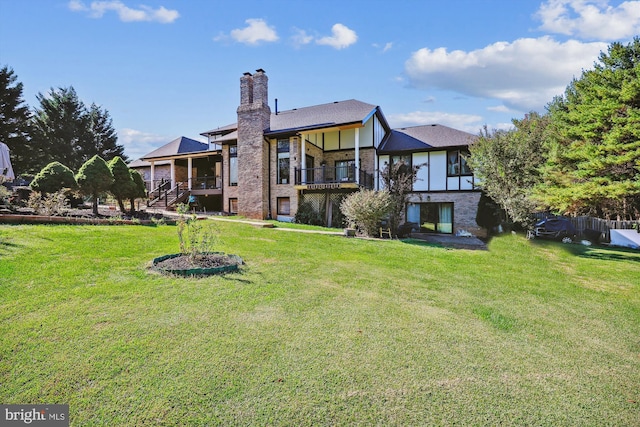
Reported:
(604, 226)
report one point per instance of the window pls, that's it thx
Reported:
(283, 206)
(431, 217)
(345, 170)
(404, 160)
(233, 165)
(233, 205)
(310, 162)
(283, 161)
(457, 163)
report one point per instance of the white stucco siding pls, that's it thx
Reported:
(347, 138)
(422, 182)
(366, 134)
(331, 141)
(438, 170)
(378, 132)
(383, 161)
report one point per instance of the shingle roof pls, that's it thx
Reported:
(337, 113)
(320, 116)
(180, 145)
(139, 163)
(425, 137)
(221, 130)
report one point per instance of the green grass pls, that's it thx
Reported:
(318, 330)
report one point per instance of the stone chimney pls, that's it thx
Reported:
(254, 117)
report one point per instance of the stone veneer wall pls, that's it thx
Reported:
(253, 118)
(465, 207)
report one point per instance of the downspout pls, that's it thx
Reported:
(268, 177)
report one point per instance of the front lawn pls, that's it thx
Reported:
(318, 330)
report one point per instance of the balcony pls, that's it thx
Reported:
(330, 178)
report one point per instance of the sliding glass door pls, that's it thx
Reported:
(432, 217)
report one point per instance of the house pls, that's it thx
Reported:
(270, 164)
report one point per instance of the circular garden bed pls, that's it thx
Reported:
(204, 264)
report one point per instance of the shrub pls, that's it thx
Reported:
(123, 184)
(307, 215)
(48, 203)
(196, 237)
(53, 177)
(365, 209)
(94, 177)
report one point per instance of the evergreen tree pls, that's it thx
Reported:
(593, 165)
(60, 129)
(64, 130)
(104, 140)
(94, 178)
(14, 121)
(54, 177)
(138, 191)
(123, 184)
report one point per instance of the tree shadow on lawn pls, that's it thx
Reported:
(599, 252)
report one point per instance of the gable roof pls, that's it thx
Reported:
(180, 145)
(334, 114)
(339, 113)
(427, 137)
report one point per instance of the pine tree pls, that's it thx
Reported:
(64, 130)
(104, 140)
(60, 129)
(14, 121)
(593, 165)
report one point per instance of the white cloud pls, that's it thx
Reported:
(524, 75)
(591, 19)
(466, 122)
(342, 37)
(138, 143)
(387, 47)
(499, 109)
(301, 37)
(97, 9)
(255, 32)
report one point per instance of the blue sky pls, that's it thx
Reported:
(170, 68)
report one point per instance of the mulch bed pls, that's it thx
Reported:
(83, 216)
(186, 262)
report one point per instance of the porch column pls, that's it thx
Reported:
(152, 176)
(173, 173)
(357, 155)
(189, 172)
(303, 159)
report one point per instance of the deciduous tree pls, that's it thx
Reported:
(398, 179)
(505, 164)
